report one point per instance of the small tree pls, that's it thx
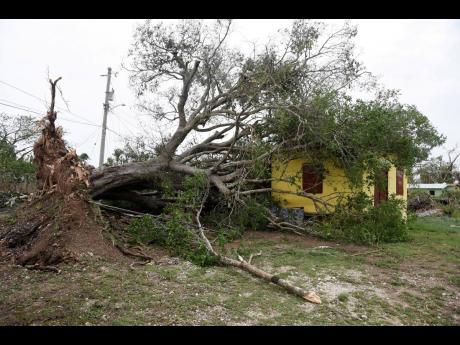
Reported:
(17, 135)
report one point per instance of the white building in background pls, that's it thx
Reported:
(434, 189)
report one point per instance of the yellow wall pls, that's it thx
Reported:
(335, 185)
(392, 184)
(392, 187)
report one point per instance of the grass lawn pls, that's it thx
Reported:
(411, 283)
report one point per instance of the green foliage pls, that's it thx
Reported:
(357, 220)
(83, 157)
(181, 241)
(173, 230)
(9, 162)
(193, 190)
(17, 133)
(343, 297)
(418, 200)
(134, 150)
(359, 136)
(449, 202)
(174, 234)
(437, 170)
(252, 216)
(146, 230)
(229, 227)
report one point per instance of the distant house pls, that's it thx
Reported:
(330, 184)
(435, 189)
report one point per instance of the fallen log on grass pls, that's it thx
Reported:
(309, 296)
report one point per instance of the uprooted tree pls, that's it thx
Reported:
(230, 112)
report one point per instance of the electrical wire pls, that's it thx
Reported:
(21, 90)
(41, 99)
(20, 105)
(85, 140)
(24, 108)
(123, 123)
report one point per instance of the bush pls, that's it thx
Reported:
(252, 216)
(173, 229)
(449, 202)
(419, 200)
(174, 235)
(147, 230)
(358, 221)
(230, 227)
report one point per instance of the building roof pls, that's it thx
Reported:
(428, 186)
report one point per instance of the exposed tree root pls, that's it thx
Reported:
(58, 224)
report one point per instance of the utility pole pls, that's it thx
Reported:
(108, 97)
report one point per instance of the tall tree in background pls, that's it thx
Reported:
(438, 170)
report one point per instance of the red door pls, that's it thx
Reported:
(381, 189)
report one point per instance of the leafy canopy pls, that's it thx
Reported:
(355, 134)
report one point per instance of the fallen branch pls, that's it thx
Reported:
(309, 296)
(253, 255)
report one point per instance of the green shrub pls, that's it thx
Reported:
(173, 229)
(173, 234)
(146, 230)
(252, 216)
(229, 227)
(449, 202)
(182, 241)
(358, 221)
(419, 200)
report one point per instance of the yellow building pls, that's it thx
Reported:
(330, 184)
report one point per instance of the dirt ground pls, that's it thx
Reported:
(411, 283)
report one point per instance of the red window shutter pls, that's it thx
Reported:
(381, 189)
(311, 180)
(399, 182)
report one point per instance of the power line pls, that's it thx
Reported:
(23, 108)
(127, 118)
(20, 105)
(124, 123)
(84, 141)
(41, 99)
(23, 91)
(12, 106)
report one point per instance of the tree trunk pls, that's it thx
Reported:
(108, 179)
